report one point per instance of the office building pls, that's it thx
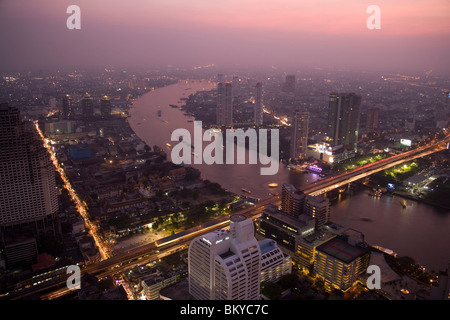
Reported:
(105, 107)
(224, 104)
(292, 200)
(318, 207)
(306, 248)
(274, 263)
(67, 107)
(87, 106)
(372, 120)
(226, 264)
(289, 84)
(339, 263)
(28, 195)
(258, 105)
(343, 118)
(283, 228)
(299, 137)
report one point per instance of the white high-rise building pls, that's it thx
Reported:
(225, 104)
(226, 264)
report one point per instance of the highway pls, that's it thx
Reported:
(116, 264)
(119, 263)
(328, 184)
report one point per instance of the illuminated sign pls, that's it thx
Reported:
(405, 142)
(314, 168)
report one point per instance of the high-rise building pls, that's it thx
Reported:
(67, 107)
(274, 263)
(343, 118)
(339, 263)
(225, 104)
(318, 207)
(299, 137)
(235, 82)
(372, 120)
(292, 200)
(28, 195)
(258, 105)
(289, 85)
(87, 106)
(105, 107)
(226, 264)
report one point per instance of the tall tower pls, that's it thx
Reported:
(226, 264)
(289, 85)
(299, 138)
(105, 107)
(28, 195)
(87, 106)
(343, 118)
(225, 104)
(67, 107)
(258, 105)
(372, 121)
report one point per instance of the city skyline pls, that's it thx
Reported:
(287, 34)
(109, 189)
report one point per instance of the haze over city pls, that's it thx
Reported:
(282, 34)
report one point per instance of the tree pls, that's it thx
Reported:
(271, 290)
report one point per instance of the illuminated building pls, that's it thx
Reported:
(258, 105)
(28, 195)
(226, 264)
(67, 107)
(274, 263)
(372, 120)
(340, 261)
(318, 207)
(343, 118)
(283, 228)
(305, 255)
(330, 154)
(225, 104)
(299, 137)
(292, 200)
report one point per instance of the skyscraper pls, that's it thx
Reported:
(258, 105)
(105, 107)
(226, 264)
(372, 120)
(67, 107)
(28, 195)
(87, 106)
(225, 104)
(289, 85)
(343, 118)
(299, 138)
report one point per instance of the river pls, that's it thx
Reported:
(420, 231)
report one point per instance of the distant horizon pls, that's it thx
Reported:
(238, 34)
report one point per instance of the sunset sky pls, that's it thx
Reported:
(414, 35)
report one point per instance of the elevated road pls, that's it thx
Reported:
(325, 185)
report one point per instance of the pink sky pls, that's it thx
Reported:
(286, 30)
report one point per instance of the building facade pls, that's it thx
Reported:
(224, 104)
(226, 264)
(299, 137)
(343, 118)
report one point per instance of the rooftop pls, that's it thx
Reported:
(341, 250)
